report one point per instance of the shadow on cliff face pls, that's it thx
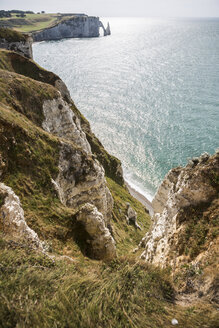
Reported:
(80, 237)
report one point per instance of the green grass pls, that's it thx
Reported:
(123, 293)
(11, 35)
(12, 62)
(127, 236)
(201, 228)
(37, 22)
(32, 22)
(26, 95)
(31, 156)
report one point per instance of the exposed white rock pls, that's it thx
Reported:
(108, 31)
(182, 188)
(60, 120)
(13, 221)
(77, 26)
(131, 217)
(166, 206)
(102, 244)
(80, 180)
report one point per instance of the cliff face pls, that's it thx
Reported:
(12, 40)
(54, 164)
(12, 62)
(184, 233)
(77, 178)
(75, 27)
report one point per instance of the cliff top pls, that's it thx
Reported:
(34, 22)
(11, 35)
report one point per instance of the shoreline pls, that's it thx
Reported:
(141, 198)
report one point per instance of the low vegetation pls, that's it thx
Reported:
(85, 293)
(65, 288)
(31, 22)
(127, 236)
(10, 35)
(200, 231)
(12, 62)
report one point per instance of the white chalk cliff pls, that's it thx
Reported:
(82, 26)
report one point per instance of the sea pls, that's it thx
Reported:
(150, 91)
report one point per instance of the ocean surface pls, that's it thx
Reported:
(150, 91)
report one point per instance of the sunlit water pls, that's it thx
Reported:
(150, 91)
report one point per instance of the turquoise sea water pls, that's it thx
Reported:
(150, 91)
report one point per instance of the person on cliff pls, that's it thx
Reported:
(131, 217)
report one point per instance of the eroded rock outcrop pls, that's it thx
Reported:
(183, 233)
(131, 217)
(108, 30)
(102, 244)
(81, 178)
(60, 120)
(13, 222)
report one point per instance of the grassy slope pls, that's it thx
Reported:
(31, 157)
(32, 22)
(85, 293)
(11, 35)
(12, 62)
(126, 236)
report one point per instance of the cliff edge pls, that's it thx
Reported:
(184, 232)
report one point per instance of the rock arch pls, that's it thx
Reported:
(106, 31)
